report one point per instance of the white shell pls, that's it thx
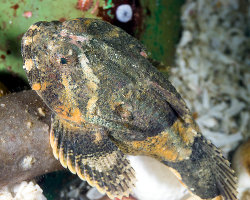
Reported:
(22, 191)
(155, 181)
(124, 13)
(94, 194)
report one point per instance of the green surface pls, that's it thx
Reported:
(13, 25)
(163, 28)
(161, 22)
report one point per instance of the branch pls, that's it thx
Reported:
(25, 151)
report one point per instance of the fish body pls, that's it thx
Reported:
(108, 100)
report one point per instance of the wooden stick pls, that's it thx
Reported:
(25, 150)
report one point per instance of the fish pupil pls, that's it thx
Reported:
(63, 61)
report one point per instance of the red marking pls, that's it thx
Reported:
(15, 7)
(144, 54)
(95, 8)
(195, 115)
(3, 57)
(63, 33)
(62, 19)
(3, 25)
(76, 38)
(192, 13)
(79, 38)
(27, 14)
(84, 5)
(9, 68)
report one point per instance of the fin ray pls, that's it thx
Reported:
(225, 176)
(88, 152)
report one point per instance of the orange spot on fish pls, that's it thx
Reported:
(186, 132)
(36, 86)
(43, 86)
(69, 113)
(87, 21)
(218, 198)
(157, 147)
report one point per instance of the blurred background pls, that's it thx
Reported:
(203, 46)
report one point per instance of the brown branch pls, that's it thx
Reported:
(25, 151)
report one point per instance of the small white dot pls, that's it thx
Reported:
(124, 13)
(27, 162)
(41, 112)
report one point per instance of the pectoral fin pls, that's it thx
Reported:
(88, 152)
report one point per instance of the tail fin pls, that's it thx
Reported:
(225, 177)
(206, 172)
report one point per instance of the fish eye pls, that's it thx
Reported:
(63, 61)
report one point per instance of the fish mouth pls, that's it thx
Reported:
(35, 40)
(37, 29)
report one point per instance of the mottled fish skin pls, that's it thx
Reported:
(101, 87)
